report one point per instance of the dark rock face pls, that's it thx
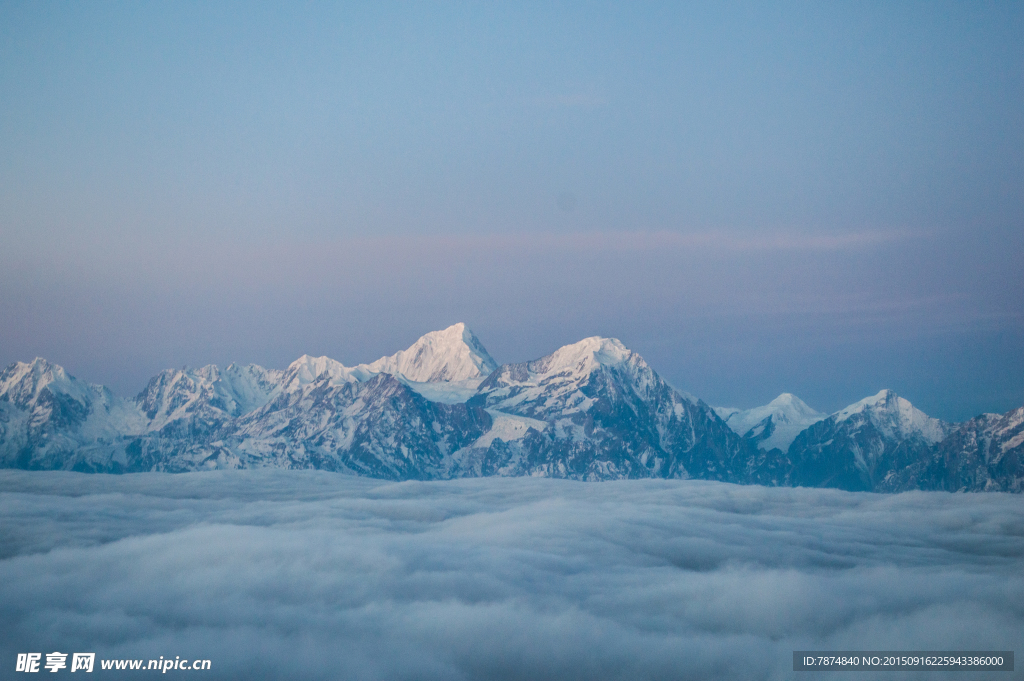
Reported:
(854, 459)
(864, 447)
(378, 428)
(985, 454)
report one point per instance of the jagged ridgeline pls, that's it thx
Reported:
(444, 408)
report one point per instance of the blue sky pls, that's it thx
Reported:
(821, 199)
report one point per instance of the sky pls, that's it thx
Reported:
(823, 199)
(308, 574)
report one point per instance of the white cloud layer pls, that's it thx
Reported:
(285, 574)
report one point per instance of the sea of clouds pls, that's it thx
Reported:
(313, 575)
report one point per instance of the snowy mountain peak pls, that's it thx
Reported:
(449, 355)
(788, 408)
(206, 394)
(210, 372)
(574, 378)
(774, 425)
(48, 417)
(895, 416)
(573, 365)
(871, 401)
(308, 369)
(22, 382)
(584, 356)
(38, 371)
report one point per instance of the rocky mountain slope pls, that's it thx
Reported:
(984, 454)
(864, 445)
(595, 410)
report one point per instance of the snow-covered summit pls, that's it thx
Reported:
(208, 393)
(895, 417)
(786, 408)
(308, 369)
(445, 366)
(583, 357)
(775, 424)
(571, 365)
(596, 410)
(450, 355)
(22, 382)
(788, 403)
(567, 380)
(50, 419)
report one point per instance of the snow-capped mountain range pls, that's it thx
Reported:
(443, 408)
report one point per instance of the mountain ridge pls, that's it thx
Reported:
(443, 408)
